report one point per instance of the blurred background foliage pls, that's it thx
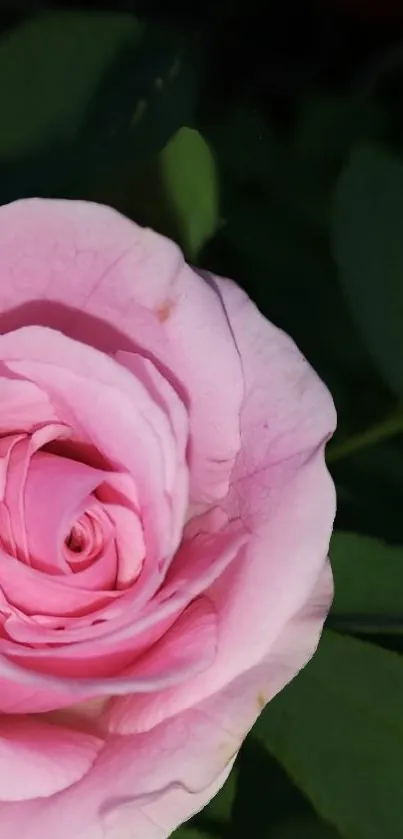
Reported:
(267, 139)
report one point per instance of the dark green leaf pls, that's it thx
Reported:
(106, 92)
(50, 68)
(213, 820)
(368, 246)
(219, 808)
(374, 505)
(175, 192)
(302, 828)
(338, 731)
(326, 127)
(189, 833)
(368, 578)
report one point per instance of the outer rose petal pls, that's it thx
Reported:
(24, 406)
(272, 601)
(283, 494)
(188, 645)
(143, 786)
(89, 258)
(287, 409)
(38, 759)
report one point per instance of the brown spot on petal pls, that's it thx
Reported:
(164, 311)
(261, 700)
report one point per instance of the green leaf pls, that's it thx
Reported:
(220, 807)
(50, 67)
(338, 731)
(307, 827)
(214, 818)
(325, 129)
(189, 180)
(368, 577)
(107, 93)
(174, 192)
(368, 247)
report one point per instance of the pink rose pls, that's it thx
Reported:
(165, 513)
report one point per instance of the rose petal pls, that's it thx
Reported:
(95, 407)
(24, 406)
(37, 760)
(48, 357)
(55, 490)
(130, 545)
(81, 255)
(287, 410)
(187, 647)
(35, 592)
(286, 503)
(166, 396)
(144, 785)
(15, 468)
(210, 556)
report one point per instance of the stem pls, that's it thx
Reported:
(370, 437)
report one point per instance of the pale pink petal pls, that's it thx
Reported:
(189, 645)
(257, 428)
(162, 392)
(119, 820)
(7, 444)
(38, 760)
(287, 410)
(61, 254)
(209, 556)
(24, 406)
(14, 470)
(186, 647)
(260, 592)
(21, 692)
(187, 641)
(55, 490)
(286, 503)
(280, 489)
(201, 559)
(143, 786)
(33, 591)
(130, 545)
(47, 357)
(205, 558)
(168, 399)
(153, 816)
(132, 434)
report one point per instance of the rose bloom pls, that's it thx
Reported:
(165, 513)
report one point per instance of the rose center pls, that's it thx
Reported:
(75, 541)
(85, 541)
